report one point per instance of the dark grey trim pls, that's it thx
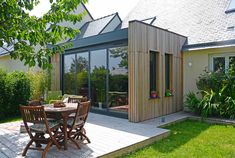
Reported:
(230, 11)
(100, 39)
(108, 23)
(107, 79)
(209, 44)
(153, 19)
(62, 73)
(87, 11)
(157, 27)
(97, 47)
(89, 74)
(110, 113)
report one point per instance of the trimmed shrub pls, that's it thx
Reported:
(14, 91)
(2, 93)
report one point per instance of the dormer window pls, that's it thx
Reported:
(231, 7)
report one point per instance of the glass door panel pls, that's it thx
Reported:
(98, 75)
(82, 72)
(118, 79)
(69, 74)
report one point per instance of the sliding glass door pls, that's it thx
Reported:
(98, 74)
(101, 75)
(118, 79)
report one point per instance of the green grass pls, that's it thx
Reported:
(192, 139)
(11, 119)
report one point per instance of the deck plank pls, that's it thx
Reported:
(107, 135)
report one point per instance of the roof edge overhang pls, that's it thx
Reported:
(118, 35)
(209, 45)
(157, 27)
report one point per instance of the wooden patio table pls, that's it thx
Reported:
(62, 112)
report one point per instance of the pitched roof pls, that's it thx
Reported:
(201, 21)
(95, 27)
(6, 50)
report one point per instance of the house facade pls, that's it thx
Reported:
(158, 51)
(141, 67)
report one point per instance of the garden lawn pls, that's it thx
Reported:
(11, 119)
(192, 139)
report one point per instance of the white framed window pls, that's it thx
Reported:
(222, 61)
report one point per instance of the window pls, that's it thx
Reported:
(218, 63)
(231, 7)
(222, 62)
(154, 71)
(168, 74)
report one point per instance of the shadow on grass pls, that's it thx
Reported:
(181, 133)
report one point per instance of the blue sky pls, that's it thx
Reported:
(97, 8)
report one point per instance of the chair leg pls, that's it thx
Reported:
(73, 140)
(86, 138)
(27, 147)
(46, 149)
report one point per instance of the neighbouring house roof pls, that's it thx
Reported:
(201, 21)
(80, 9)
(6, 51)
(102, 25)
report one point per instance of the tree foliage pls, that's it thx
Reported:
(25, 32)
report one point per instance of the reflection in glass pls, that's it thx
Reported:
(219, 64)
(69, 74)
(82, 67)
(98, 78)
(118, 79)
(232, 62)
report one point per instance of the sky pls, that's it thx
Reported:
(97, 8)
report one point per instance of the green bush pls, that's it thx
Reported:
(217, 91)
(2, 93)
(15, 90)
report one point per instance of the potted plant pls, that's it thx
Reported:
(154, 94)
(168, 93)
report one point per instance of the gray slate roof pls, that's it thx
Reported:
(94, 27)
(202, 21)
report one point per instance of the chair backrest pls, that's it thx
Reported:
(34, 103)
(33, 114)
(82, 112)
(76, 99)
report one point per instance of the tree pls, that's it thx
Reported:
(25, 32)
(120, 52)
(79, 64)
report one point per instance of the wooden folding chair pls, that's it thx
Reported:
(76, 123)
(34, 103)
(76, 99)
(40, 126)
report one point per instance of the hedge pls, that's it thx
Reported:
(14, 91)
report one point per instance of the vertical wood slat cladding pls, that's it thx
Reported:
(55, 72)
(143, 38)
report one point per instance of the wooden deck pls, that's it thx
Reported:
(110, 137)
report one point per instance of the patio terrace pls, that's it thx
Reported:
(110, 137)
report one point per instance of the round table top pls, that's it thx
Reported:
(68, 107)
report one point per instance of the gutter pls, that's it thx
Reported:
(208, 45)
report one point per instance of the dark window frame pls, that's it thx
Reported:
(168, 72)
(154, 75)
